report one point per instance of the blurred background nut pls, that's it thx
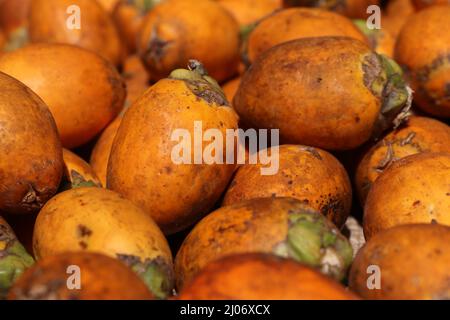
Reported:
(83, 91)
(175, 31)
(414, 189)
(282, 226)
(31, 163)
(262, 277)
(412, 261)
(96, 32)
(101, 278)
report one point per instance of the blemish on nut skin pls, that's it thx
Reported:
(408, 139)
(312, 151)
(83, 231)
(387, 160)
(83, 245)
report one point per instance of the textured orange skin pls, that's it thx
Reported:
(421, 4)
(230, 88)
(424, 39)
(74, 166)
(396, 14)
(194, 29)
(262, 277)
(98, 33)
(136, 80)
(412, 190)
(247, 12)
(140, 166)
(313, 91)
(321, 183)
(414, 262)
(31, 162)
(100, 153)
(13, 14)
(129, 22)
(83, 91)
(355, 9)
(257, 225)
(103, 278)
(116, 227)
(429, 136)
(297, 23)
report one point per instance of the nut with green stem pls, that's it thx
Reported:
(14, 259)
(384, 77)
(200, 83)
(316, 242)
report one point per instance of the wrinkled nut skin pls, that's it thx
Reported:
(82, 220)
(178, 30)
(260, 276)
(310, 175)
(78, 172)
(258, 225)
(83, 91)
(419, 134)
(141, 166)
(31, 164)
(421, 4)
(297, 23)
(313, 90)
(426, 58)
(102, 150)
(413, 261)
(247, 12)
(355, 9)
(102, 278)
(13, 14)
(412, 190)
(48, 23)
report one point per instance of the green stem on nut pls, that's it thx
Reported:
(14, 260)
(384, 77)
(200, 83)
(143, 6)
(314, 241)
(16, 39)
(155, 273)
